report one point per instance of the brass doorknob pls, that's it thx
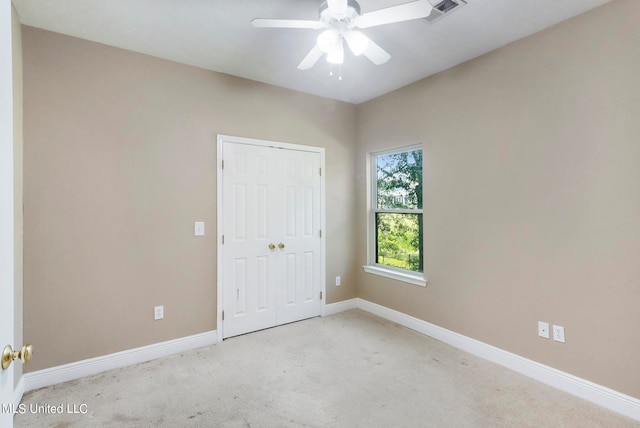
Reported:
(8, 355)
(271, 246)
(281, 245)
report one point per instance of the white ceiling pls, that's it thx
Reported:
(217, 35)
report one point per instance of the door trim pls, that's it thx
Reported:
(219, 214)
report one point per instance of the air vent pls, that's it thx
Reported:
(444, 7)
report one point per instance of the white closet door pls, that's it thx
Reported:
(270, 196)
(298, 263)
(248, 271)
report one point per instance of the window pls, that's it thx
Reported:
(396, 237)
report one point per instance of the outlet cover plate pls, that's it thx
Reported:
(543, 329)
(158, 312)
(558, 333)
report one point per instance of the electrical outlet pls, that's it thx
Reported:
(543, 329)
(558, 333)
(338, 281)
(158, 312)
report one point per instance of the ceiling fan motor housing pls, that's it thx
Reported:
(345, 20)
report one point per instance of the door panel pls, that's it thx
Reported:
(240, 199)
(307, 213)
(240, 285)
(290, 211)
(249, 304)
(263, 283)
(270, 196)
(302, 238)
(308, 276)
(262, 203)
(290, 279)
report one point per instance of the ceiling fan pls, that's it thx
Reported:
(340, 20)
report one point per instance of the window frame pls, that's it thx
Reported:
(404, 275)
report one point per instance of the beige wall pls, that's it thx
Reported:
(17, 181)
(120, 155)
(532, 195)
(531, 190)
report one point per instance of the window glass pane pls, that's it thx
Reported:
(399, 180)
(399, 240)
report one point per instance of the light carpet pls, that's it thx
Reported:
(351, 369)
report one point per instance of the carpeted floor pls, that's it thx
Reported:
(348, 370)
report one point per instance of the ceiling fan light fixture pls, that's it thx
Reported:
(327, 40)
(339, 19)
(357, 42)
(336, 55)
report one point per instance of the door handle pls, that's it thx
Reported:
(271, 246)
(9, 355)
(281, 245)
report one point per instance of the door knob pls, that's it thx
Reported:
(271, 246)
(281, 245)
(8, 355)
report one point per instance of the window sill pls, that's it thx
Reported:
(415, 279)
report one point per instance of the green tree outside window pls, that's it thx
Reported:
(398, 210)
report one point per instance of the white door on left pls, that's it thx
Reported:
(6, 210)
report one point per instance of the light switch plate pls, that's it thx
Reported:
(199, 228)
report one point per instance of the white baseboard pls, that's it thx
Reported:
(334, 308)
(92, 366)
(598, 394)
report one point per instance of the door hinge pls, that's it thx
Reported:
(321, 233)
(222, 239)
(321, 171)
(321, 295)
(222, 315)
(222, 163)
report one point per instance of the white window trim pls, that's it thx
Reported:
(415, 278)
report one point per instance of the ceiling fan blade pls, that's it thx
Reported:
(311, 58)
(286, 23)
(375, 53)
(337, 6)
(404, 12)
